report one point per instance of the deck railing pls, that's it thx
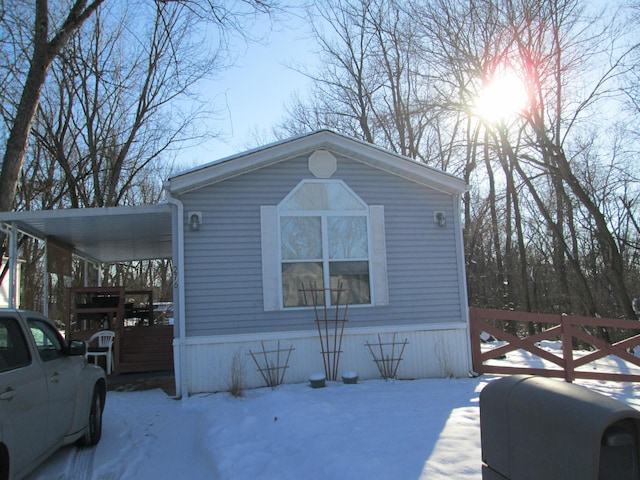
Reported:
(568, 329)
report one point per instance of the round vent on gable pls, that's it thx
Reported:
(322, 164)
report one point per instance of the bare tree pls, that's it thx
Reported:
(369, 85)
(103, 120)
(546, 49)
(552, 45)
(44, 41)
(47, 44)
(103, 100)
(531, 170)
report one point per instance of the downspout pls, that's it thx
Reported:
(180, 368)
(13, 266)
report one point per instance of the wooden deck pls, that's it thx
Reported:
(146, 349)
(143, 342)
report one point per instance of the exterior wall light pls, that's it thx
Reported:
(440, 218)
(195, 220)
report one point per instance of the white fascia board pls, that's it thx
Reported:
(398, 165)
(32, 215)
(354, 149)
(236, 165)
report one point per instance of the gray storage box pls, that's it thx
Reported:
(535, 428)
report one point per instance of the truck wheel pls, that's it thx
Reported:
(4, 463)
(94, 426)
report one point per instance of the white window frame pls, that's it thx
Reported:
(271, 250)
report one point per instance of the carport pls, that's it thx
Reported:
(99, 236)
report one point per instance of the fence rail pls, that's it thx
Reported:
(568, 329)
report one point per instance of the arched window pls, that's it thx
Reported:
(324, 243)
(323, 240)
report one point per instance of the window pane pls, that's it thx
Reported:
(295, 277)
(301, 238)
(47, 340)
(353, 276)
(347, 237)
(323, 196)
(341, 198)
(14, 352)
(310, 196)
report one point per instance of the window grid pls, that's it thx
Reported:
(341, 253)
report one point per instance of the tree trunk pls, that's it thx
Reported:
(44, 52)
(609, 248)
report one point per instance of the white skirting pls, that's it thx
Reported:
(432, 351)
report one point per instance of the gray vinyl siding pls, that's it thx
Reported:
(223, 284)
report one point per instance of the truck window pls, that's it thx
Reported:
(14, 352)
(47, 339)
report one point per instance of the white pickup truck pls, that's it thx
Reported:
(49, 395)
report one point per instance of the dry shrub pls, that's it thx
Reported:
(238, 374)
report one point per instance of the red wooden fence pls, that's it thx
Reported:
(565, 327)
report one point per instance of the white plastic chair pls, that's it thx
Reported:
(104, 348)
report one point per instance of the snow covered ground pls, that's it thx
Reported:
(421, 429)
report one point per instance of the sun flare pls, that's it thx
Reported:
(502, 97)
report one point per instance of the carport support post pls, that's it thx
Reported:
(85, 269)
(45, 283)
(12, 232)
(13, 263)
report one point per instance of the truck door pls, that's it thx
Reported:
(23, 396)
(60, 371)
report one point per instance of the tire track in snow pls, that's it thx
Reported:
(81, 463)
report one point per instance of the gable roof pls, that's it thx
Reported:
(351, 148)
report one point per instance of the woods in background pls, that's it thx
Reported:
(551, 219)
(535, 104)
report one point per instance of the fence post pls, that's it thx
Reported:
(566, 327)
(476, 351)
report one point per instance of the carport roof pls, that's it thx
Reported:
(112, 234)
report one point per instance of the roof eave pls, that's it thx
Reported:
(351, 148)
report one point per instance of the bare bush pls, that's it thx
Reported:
(238, 374)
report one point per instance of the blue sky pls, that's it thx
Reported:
(252, 94)
(254, 91)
